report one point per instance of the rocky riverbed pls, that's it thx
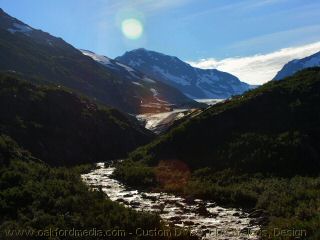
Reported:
(203, 218)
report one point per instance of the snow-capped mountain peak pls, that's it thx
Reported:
(157, 94)
(193, 82)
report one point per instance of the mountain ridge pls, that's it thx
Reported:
(164, 94)
(296, 65)
(39, 55)
(193, 82)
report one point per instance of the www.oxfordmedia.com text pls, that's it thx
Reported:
(139, 232)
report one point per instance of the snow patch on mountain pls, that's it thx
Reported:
(136, 63)
(148, 80)
(155, 93)
(129, 69)
(99, 58)
(179, 80)
(17, 27)
(138, 84)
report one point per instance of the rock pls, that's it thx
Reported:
(122, 201)
(245, 230)
(180, 212)
(135, 203)
(189, 200)
(211, 205)
(188, 223)
(170, 201)
(256, 213)
(175, 219)
(152, 198)
(160, 207)
(180, 205)
(205, 231)
(202, 210)
(259, 221)
(214, 215)
(236, 214)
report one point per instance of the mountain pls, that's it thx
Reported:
(42, 58)
(196, 83)
(61, 128)
(298, 64)
(158, 96)
(274, 129)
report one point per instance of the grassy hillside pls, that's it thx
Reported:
(62, 128)
(274, 129)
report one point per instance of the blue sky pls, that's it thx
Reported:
(193, 30)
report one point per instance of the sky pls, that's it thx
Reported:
(251, 39)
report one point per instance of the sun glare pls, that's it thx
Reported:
(132, 28)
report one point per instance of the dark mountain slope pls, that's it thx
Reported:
(62, 128)
(273, 129)
(43, 58)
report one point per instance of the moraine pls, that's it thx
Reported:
(205, 219)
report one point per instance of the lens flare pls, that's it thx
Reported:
(132, 28)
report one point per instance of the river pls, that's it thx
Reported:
(205, 219)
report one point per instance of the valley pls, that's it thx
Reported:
(145, 143)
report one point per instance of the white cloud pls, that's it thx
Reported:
(260, 68)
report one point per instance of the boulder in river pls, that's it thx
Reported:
(189, 200)
(257, 213)
(202, 210)
(128, 195)
(188, 223)
(134, 203)
(121, 200)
